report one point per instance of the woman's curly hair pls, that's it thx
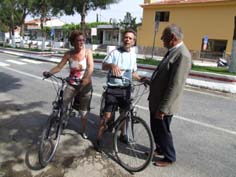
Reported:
(74, 35)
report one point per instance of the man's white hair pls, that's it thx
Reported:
(177, 31)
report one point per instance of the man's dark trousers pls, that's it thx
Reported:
(163, 137)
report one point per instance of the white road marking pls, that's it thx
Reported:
(145, 108)
(31, 61)
(4, 64)
(16, 62)
(206, 125)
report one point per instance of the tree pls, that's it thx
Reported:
(9, 14)
(14, 12)
(43, 10)
(82, 7)
(128, 22)
(25, 7)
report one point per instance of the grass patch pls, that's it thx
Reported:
(212, 70)
(209, 69)
(99, 56)
(27, 49)
(148, 61)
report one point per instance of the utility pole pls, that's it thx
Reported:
(232, 67)
(155, 32)
(153, 45)
(97, 20)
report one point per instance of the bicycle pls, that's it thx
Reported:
(56, 122)
(131, 152)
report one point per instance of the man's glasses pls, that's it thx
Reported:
(79, 40)
(130, 38)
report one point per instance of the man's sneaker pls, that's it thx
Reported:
(124, 139)
(84, 135)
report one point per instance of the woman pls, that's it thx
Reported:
(81, 66)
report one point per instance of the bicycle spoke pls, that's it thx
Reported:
(49, 141)
(131, 154)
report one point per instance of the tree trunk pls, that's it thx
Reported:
(83, 15)
(83, 29)
(41, 26)
(12, 31)
(43, 34)
(22, 30)
(232, 67)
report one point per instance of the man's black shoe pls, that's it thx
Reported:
(124, 139)
(97, 146)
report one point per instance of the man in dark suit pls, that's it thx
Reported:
(166, 87)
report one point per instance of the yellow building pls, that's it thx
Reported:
(208, 25)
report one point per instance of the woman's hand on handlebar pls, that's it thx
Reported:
(47, 74)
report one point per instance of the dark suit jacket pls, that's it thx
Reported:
(167, 82)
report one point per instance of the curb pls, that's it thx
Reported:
(212, 81)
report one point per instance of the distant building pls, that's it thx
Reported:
(108, 35)
(208, 25)
(33, 29)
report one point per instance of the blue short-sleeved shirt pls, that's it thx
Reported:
(126, 61)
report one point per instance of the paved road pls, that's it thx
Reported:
(204, 131)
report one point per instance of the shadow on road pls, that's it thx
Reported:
(9, 82)
(19, 129)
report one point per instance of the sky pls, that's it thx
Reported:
(115, 11)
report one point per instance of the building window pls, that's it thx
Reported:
(214, 48)
(162, 16)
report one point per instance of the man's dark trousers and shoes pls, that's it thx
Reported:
(163, 137)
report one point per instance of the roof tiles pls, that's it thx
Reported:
(186, 1)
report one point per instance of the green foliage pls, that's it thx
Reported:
(95, 24)
(67, 28)
(9, 14)
(98, 56)
(82, 7)
(128, 22)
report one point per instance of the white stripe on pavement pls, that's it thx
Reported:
(16, 62)
(4, 64)
(206, 125)
(145, 108)
(32, 61)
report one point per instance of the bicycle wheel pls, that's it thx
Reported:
(131, 152)
(49, 140)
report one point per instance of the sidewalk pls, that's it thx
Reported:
(216, 82)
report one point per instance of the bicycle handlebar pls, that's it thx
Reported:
(66, 79)
(144, 81)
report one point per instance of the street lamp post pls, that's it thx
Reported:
(232, 67)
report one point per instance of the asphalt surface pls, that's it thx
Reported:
(211, 81)
(204, 130)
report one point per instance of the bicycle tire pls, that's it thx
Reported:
(132, 154)
(50, 137)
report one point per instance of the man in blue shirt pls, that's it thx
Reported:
(121, 63)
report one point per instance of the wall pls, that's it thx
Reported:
(196, 21)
